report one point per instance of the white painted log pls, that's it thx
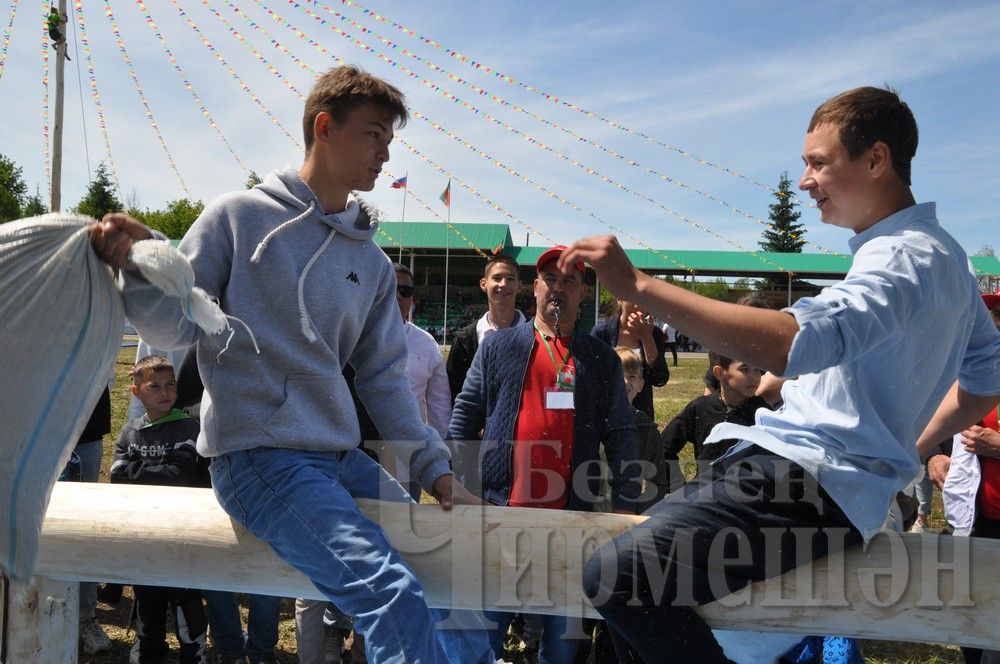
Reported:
(43, 622)
(522, 558)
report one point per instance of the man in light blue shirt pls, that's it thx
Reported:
(831, 459)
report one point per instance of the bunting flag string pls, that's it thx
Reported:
(483, 197)
(496, 206)
(479, 112)
(418, 115)
(187, 84)
(274, 70)
(235, 75)
(519, 109)
(235, 34)
(109, 13)
(46, 156)
(510, 80)
(94, 93)
(454, 229)
(7, 32)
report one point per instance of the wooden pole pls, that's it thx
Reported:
(901, 588)
(42, 622)
(57, 124)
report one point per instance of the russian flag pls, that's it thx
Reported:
(399, 184)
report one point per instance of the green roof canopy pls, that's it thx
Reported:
(435, 235)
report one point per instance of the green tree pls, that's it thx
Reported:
(13, 190)
(175, 220)
(785, 234)
(34, 206)
(100, 198)
(252, 180)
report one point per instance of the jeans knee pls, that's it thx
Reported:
(601, 576)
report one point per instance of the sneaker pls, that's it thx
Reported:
(92, 637)
(917, 527)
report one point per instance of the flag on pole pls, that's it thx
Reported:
(446, 195)
(399, 184)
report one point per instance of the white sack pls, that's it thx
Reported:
(62, 319)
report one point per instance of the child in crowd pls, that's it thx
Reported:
(159, 448)
(735, 401)
(649, 448)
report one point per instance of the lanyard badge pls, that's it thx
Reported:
(559, 397)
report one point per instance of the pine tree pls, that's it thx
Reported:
(252, 180)
(34, 206)
(785, 235)
(100, 198)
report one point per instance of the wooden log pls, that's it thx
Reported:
(524, 559)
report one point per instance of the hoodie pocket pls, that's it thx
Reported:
(317, 414)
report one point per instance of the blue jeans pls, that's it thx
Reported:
(302, 504)
(90, 454)
(227, 630)
(552, 648)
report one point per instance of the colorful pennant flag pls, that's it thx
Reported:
(399, 184)
(446, 195)
(497, 249)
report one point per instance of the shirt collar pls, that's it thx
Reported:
(924, 212)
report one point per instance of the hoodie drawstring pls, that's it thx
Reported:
(255, 258)
(304, 320)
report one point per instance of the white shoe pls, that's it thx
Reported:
(918, 527)
(92, 637)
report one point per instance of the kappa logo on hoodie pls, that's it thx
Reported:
(353, 277)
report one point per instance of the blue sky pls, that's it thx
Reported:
(734, 83)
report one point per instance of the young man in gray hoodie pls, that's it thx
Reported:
(293, 259)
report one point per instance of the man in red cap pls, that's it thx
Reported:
(546, 396)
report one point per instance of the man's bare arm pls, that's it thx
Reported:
(761, 337)
(958, 411)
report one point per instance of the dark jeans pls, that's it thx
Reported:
(735, 523)
(152, 604)
(227, 630)
(989, 529)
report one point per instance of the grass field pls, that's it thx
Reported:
(685, 384)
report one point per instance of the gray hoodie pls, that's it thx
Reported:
(317, 293)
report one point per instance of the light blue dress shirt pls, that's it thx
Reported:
(874, 355)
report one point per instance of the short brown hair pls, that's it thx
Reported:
(342, 89)
(630, 360)
(867, 115)
(498, 259)
(150, 364)
(718, 359)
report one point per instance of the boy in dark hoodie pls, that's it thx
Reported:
(159, 448)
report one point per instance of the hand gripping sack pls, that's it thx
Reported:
(62, 318)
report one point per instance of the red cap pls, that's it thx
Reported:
(552, 254)
(992, 300)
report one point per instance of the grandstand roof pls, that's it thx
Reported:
(435, 235)
(430, 235)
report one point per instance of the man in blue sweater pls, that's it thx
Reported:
(546, 396)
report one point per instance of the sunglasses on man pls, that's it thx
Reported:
(405, 291)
